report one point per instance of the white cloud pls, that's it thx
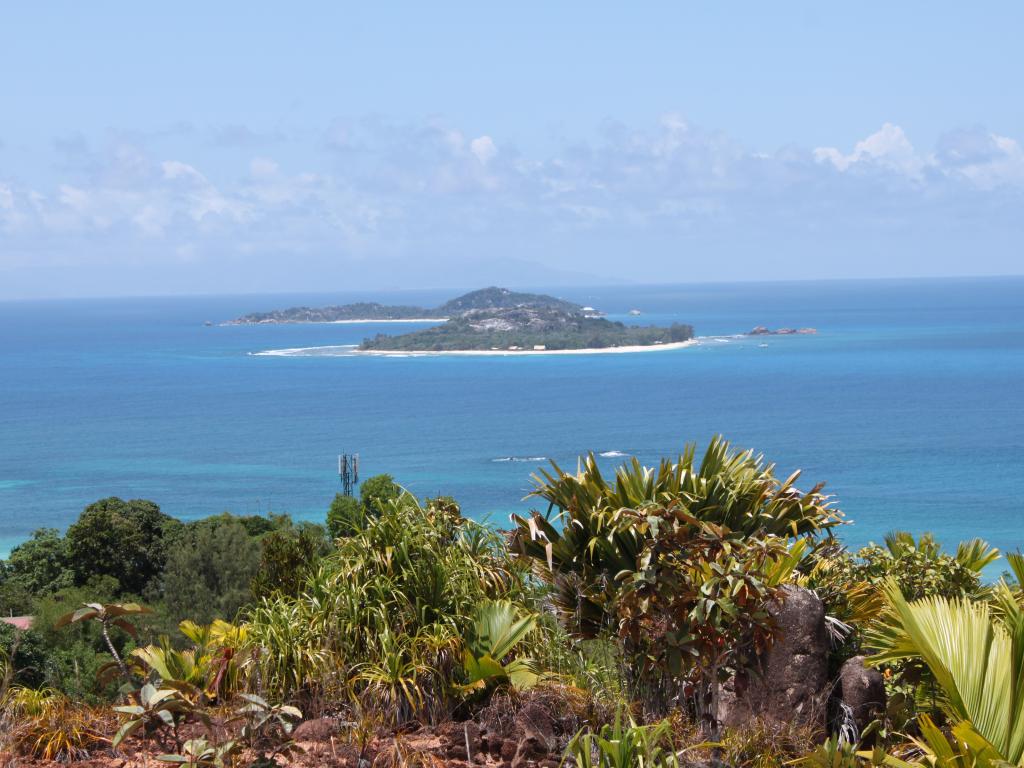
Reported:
(483, 148)
(404, 190)
(152, 220)
(262, 167)
(986, 159)
(886, 148)
(174, 169)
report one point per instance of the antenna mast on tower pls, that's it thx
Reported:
(348, 472)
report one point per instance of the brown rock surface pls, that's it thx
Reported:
(862, 689)
(791, 683)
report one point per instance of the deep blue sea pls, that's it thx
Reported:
(908, 403)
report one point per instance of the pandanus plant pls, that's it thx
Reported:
(677, 561)
(592, 529)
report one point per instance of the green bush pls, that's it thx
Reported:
(287, 557)
(345, 517)
(26, 655)
(920, 566)
(382, 617)
(377, 493)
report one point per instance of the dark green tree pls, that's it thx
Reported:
(255, 525)
(288, 556)
(377, 492)
(39, 565)
(345, 517)
(209, 569)
(15, 600)
(123, 539)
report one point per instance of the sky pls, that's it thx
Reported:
(236, 147)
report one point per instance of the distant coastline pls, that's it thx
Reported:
(353, 321)
(393, 320)
(521, 352)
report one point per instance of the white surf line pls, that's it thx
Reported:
(525, 352)
(305, 351)
(350, 350)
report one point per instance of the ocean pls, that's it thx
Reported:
(908, 403)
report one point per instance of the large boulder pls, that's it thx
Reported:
(791, 682)
(861, 692)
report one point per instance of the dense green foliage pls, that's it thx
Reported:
(125, 551)
(209, 570)
(640, 594)
(345, 516)
(126, 540)
(26, 653)
(363, 310)
(503, 298)
(660, 551)
(526, 328)
(383, 615)
(39, 566)
(288, 555)
(348, 516)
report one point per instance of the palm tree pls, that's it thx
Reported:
(498, 628)
(975, 650)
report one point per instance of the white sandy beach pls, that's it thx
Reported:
(517, 352)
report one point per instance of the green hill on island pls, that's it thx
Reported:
(483, 299)
(503, 298)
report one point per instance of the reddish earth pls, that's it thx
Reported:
(529, 731)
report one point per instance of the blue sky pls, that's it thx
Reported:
(230, 147)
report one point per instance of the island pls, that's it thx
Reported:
(763, 331)
(483, 299)
(347, 313)
(490, 321)
(530, 328)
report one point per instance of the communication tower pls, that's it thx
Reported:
(348, 471)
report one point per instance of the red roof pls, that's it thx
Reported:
(21, 622)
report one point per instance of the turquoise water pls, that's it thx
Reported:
(908, 403)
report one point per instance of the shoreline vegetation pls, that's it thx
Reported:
(371, 311)
(699, 612)
(363, 320)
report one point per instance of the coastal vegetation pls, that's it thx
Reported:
(527, 328)
(484, 298)
(622, 623)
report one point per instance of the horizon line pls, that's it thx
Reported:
(516, 285)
